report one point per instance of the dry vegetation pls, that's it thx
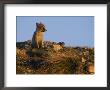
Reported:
(69, 60)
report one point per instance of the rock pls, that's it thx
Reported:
(91, 69)
(83, 59)
(57, 47)
(21, 53)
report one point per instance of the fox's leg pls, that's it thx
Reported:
(40, 44)
(37, 44)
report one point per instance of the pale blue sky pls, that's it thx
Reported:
(73, 30)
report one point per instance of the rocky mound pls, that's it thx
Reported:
(49, 60)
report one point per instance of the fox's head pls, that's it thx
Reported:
(40, 27)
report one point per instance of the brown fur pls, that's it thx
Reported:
(37, 40)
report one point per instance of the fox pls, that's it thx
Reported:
(37, 39)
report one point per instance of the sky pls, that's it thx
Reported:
(73, 30)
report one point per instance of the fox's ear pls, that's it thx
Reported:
(37, 24)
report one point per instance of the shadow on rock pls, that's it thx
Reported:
(35, 64)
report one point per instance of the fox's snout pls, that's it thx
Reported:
(45, 29)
